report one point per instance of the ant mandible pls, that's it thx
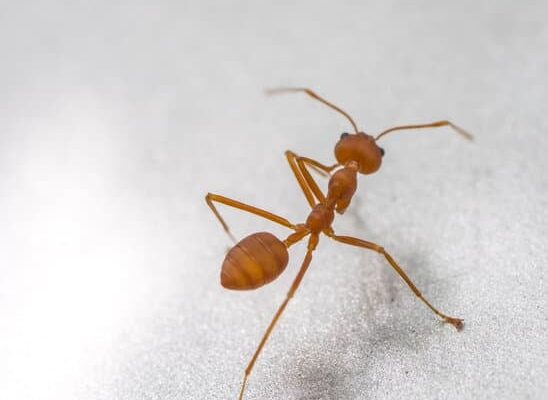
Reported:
(261, 257)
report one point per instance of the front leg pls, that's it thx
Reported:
(308, 185)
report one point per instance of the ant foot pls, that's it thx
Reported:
(456, 322)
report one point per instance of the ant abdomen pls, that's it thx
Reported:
(254, 261)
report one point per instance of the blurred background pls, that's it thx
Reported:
(117, 117)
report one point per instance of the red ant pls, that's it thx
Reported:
(261, 257)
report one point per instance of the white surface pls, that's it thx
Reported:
(117, 117)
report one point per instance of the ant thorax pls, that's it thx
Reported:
(342, 186)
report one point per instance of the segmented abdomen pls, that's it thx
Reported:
(255, 261)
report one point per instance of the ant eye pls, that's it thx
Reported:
(382, 151)
(344, 134)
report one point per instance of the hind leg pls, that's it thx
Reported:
(456, 322)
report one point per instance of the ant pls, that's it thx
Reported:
(261, 257)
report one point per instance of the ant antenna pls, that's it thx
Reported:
(437, 124)
(315, 96)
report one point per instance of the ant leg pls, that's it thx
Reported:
(291, 159)
(436, 124)
(320, 171)
(210, 198)
(456, 322)
(306, 182)
(318, 167)
(302, 162)
(294, 286)
(309, 185)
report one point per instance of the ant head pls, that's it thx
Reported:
(361, 148)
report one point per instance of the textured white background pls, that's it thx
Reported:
(116, 117)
